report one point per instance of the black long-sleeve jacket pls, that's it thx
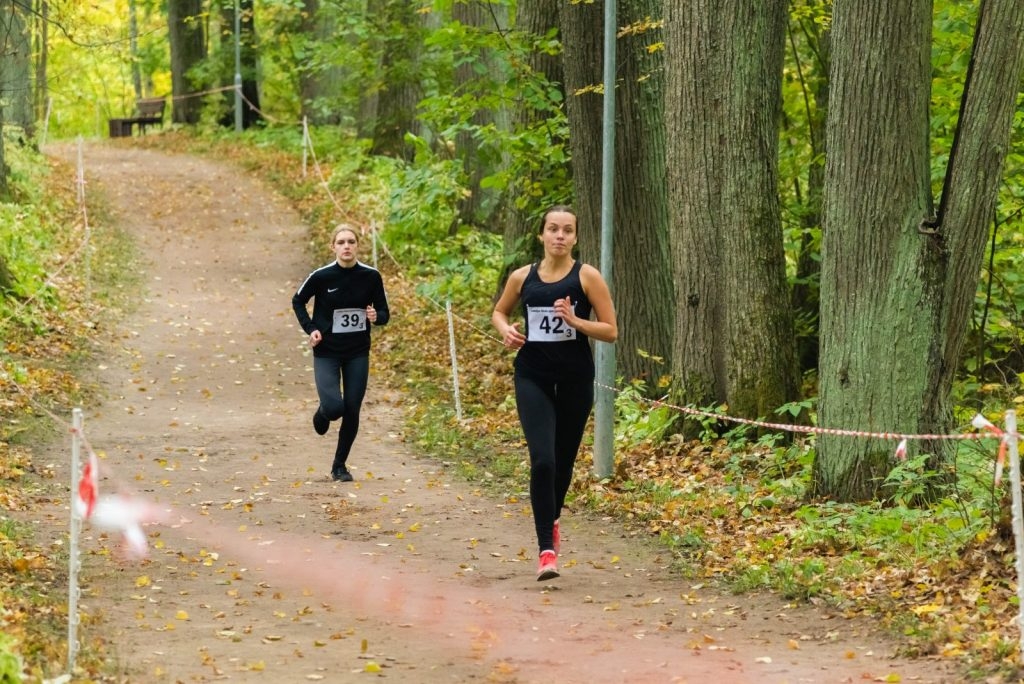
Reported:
(339, 295)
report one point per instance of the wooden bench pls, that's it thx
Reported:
(148, 112)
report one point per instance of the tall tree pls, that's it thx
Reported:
(478, 160)
(16, 67)
(733, 338)
(399, 92)
(539, 165)
(641, 278)
(899, 277)
(319, 80)
(188, 49)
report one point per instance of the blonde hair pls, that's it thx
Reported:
(341, 228)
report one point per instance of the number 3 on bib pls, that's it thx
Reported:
(544, 326)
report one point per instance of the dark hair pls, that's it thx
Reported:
(553, 208)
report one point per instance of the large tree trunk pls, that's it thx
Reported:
(400, 93)
(319, 83)
(641, 279)
(539, 68)
(249, 58)
(734, 338)
(16, 68)
(897, 281)
(188, 48)
(478, 204)
(582, 26)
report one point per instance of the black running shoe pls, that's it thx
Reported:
(320, 423)
(341, 474)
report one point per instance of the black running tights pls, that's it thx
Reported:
(341, 386)
(553, 416)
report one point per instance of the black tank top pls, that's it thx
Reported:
(553, 349)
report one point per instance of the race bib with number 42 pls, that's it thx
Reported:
(543, 325)
(349, 320)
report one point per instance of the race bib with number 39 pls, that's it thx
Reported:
(544, 326)
(349, 320)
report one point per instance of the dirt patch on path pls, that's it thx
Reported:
(267, 571)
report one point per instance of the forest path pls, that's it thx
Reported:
(265, 570)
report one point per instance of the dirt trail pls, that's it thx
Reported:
(265, 570)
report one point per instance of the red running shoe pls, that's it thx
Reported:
(548, 566)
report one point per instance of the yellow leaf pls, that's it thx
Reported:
(142, 581)
(793, 644)
(927, 608)
(371, 667)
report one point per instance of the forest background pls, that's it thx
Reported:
(818, 224)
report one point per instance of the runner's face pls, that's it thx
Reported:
(346, 246)
(559, 234)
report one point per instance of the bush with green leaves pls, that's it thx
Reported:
(11, 667)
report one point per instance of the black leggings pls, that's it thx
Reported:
(553, 416)
(341, 386)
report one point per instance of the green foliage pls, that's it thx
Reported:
(637, 421)
(10, 661)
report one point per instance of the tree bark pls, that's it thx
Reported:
(397, 99)
(16, 68)
(641, 279)
(188, 48)
(898, 279)
(319, 83)
(733, 338)
(539, 72)
(478, 204)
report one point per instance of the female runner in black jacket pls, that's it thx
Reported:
(347, 296)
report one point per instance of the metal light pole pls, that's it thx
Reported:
(238, 70)
(604, 404)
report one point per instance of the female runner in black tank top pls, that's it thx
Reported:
(554, 369)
